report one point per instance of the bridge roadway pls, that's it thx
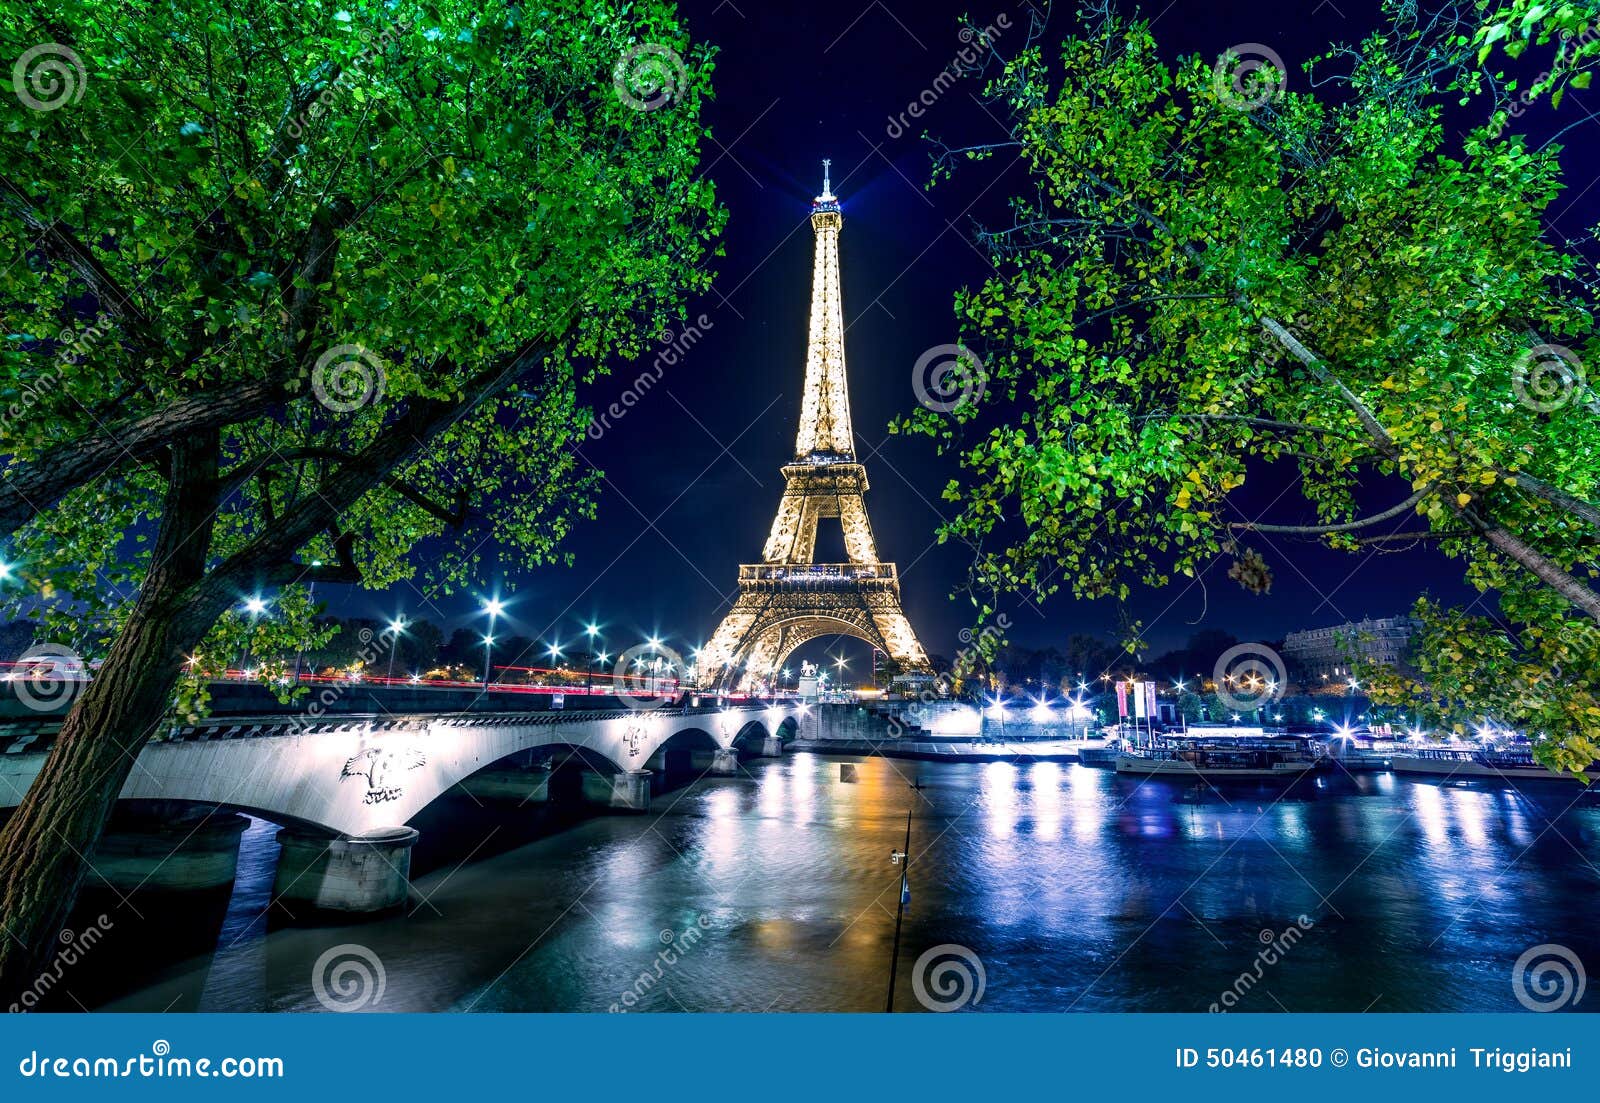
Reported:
(344, 786)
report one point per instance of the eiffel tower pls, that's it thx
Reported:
(789, 598)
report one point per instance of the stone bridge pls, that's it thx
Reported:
(345, 787)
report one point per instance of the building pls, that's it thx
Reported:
(1320, 655)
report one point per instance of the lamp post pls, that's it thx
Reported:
(555, 657)
(494, 608)
(654, 665)
(590, 630)
(397, 628)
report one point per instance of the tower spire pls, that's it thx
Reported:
(825, 434)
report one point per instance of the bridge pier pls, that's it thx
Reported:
(517, 786)
(169, 855)
(725, 762)
(772, 747)
(630, 790)
(368, 873)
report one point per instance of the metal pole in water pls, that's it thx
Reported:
(903, 859)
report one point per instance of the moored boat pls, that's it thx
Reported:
(1464, 763)
(1282, 757)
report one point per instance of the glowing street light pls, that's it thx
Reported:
(494, 607)
(397, 628)
(591, 630)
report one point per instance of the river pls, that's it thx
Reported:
(1068, 888)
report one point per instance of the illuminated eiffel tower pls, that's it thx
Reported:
(788, 598)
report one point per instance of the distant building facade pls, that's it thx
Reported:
(1320, 655)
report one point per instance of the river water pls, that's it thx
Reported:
(1069, 888)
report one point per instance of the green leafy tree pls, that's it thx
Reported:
(289, 287)
(1572, 28)
(1215, 273)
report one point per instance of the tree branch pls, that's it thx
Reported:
(1347, 526)
(31, 487)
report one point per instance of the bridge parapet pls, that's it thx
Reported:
(355, 775)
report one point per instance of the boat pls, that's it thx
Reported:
(1213, 757)
(1101, 757)
(1462, 763)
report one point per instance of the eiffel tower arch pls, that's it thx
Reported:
(789, 598)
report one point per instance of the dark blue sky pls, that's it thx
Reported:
(692, 470)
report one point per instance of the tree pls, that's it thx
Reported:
(1514, 26)
(1215, 275)
(327, 280)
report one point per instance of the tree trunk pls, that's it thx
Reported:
(48, 844)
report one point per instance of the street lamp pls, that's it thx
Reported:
(591, 630)
(555, 657)
(494, 607)
(397, 627)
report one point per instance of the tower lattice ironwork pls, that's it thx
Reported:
(789, 598)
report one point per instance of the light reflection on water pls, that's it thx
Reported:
(1077, 889)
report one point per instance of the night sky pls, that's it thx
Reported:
(692, 477)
